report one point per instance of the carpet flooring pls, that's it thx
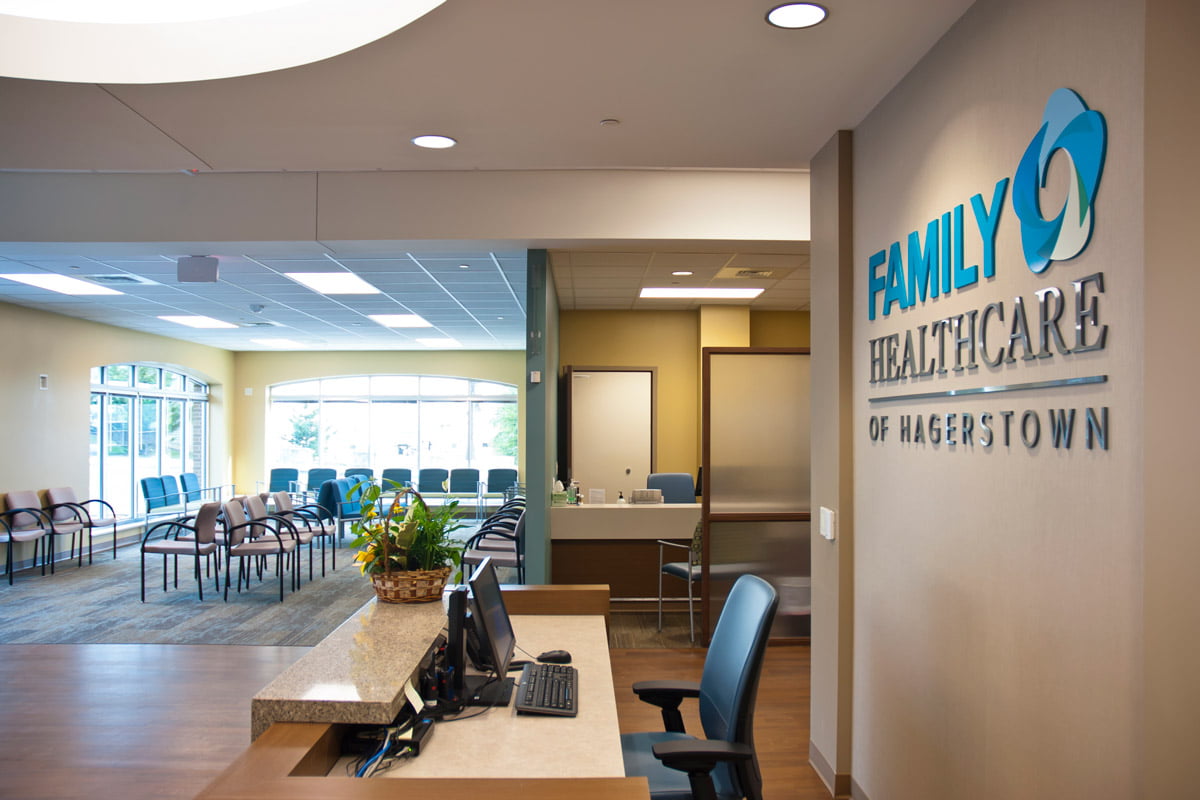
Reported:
(99, 603)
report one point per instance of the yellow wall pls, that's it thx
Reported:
(257, 371)
(670, 342)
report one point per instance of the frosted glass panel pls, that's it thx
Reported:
(759, 433)
(777, 552)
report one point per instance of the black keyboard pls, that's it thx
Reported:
(548, 689)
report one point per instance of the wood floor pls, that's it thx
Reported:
(143, 722)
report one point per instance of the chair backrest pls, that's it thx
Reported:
(170, 490)
(318, 476)
(281, 479)
(255, 507)
(234, 510)
(500, 479)
(58, 496)
(283, 502)
(729, 682)
(153, 493)
(348, 494)
(206, 522)
(328, 498)
(432, 479)
(359, 473)
(23, 499)
(676, 487)
(189, 482)
(401, 475)
(464, 480)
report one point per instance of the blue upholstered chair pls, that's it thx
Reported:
(432, 480)
(676, 487)
(357, 474)
(317, 476)
(500, 479)
(401, 476)
(340, 501)
(722, 765)
(282, 478)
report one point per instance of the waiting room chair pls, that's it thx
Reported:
(503, 541)
(306, 520)
(282, 479)
(723, 764)
(178, 538)
(317, 476)
(432, 480)
(400, 476)
(340, 502)
(500, 479)
(256, 540)
(95, 516)
(676, 487)
(161, 497)
(464, 481)
(24, 521)
(356, 474)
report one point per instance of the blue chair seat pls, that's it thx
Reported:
(666, 783)
(679, 569)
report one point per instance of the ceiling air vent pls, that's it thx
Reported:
(120, 279)
(750, 274)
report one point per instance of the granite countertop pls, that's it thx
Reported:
(357, 673)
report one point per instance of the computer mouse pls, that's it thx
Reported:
(555, 657)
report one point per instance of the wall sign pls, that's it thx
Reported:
(1053, 322)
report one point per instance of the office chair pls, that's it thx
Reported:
(676, 487)
(722, 765)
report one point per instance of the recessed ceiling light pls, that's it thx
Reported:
(667, 293)
(439, 342)
(464, 266)
(796, 15)
(198, 322)
(60, 283)
(401, 320)
(434, 142)
(277, 343)
(333, 282)
(682, 273)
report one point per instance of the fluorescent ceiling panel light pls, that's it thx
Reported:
(150, 41)
(333, 282)
(439, 342)
(400, 320)
(60, 283)
(675, 293)
(682, 273)
(796, 15)
(434, 142)
(284, 343)
(198, 322)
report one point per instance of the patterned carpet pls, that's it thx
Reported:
(99, 603)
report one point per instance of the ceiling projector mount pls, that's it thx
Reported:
(197, 269)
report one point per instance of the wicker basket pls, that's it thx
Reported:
(415, 586)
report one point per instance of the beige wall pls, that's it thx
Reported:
(255, 372)
(45, 432)
(669, 341)
(998, 590)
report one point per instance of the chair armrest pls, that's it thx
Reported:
(698, 757)
(667, 695)
(487, 534)
(665, 543)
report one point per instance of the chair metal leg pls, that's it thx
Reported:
(691, 615)
(660, 594)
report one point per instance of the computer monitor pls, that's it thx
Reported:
(490, 617)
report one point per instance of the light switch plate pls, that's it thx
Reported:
(828, 523)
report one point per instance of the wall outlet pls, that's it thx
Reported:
(828, 525)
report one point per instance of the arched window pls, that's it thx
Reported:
(386, 421)
(146, 421)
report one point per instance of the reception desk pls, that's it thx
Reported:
(491, 756)
(616, 544)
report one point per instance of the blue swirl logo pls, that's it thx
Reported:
(1068, 125)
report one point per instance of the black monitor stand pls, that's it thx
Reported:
(474, 690)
